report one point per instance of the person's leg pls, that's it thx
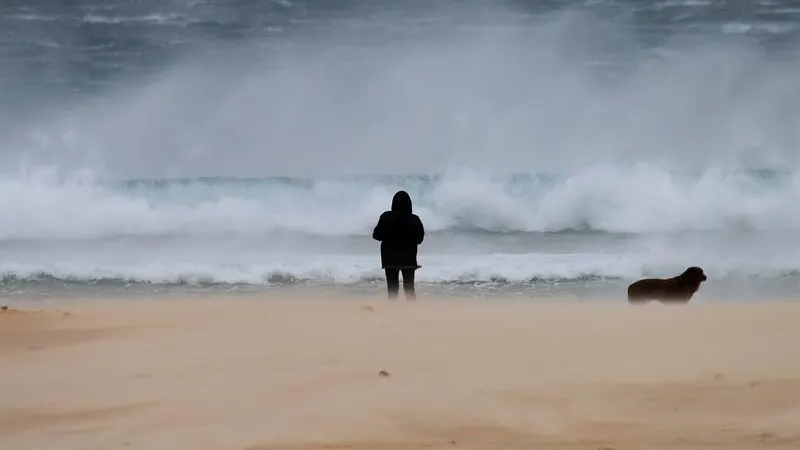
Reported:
(392, 282)
(408, 284)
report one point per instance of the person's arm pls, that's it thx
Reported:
(378, 233)
(420, 231)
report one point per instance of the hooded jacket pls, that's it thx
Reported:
(400, 231)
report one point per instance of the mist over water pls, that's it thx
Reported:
(256, 143)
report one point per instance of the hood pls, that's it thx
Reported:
(401, 202)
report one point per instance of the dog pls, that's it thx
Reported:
(678, 289)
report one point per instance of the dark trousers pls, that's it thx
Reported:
(393, 282)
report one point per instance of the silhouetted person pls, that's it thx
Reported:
(400, 232)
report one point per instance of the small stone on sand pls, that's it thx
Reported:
(383, 373)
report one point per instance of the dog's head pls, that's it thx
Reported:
(694, 275)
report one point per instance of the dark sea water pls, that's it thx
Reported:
(552, 148)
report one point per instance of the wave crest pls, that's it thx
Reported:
(639, 199)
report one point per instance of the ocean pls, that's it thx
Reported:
(551, 148)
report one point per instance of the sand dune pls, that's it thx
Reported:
(294, 374)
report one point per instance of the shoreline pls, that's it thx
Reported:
(610, 290)
(321, 294)
(303, 373)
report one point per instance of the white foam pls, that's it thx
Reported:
(159, 19)
(155, 267)
(640, 199)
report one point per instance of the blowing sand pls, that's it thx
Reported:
(293, 374)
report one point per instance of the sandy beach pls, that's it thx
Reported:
(275, 374)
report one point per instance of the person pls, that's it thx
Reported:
(399, 231)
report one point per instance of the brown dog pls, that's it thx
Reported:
(667, 290)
